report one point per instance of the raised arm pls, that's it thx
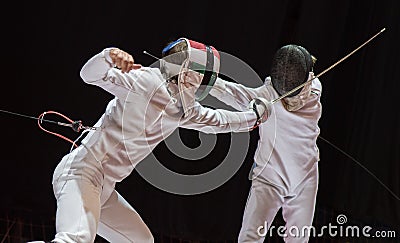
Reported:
(109, 70)
(237, 95)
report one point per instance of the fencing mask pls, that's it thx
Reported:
(193, 65)
(290, 68)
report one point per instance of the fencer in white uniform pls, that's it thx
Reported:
(146, 109)
(285, 173)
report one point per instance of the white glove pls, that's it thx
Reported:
(262, 108)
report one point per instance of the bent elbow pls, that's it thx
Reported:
(85, 74)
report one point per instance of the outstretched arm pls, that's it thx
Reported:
(214, 121)
(237, 95)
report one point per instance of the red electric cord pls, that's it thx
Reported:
(75, 125)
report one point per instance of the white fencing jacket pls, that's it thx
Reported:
(287, 139)
(141, 115)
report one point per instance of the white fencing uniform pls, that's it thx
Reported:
(141, 115)
(286, 169)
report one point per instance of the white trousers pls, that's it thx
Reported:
(264, 201)
(81, 212)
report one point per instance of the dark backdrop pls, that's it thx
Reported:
(45, 43)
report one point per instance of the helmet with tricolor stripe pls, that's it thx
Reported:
(188, 54)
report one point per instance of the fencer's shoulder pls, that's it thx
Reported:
(268, 81)
(316, 86)
(151, 71)
(149, 74)
(270, 88)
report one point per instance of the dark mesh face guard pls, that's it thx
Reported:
(290, 68)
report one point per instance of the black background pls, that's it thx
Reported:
(45, 44)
